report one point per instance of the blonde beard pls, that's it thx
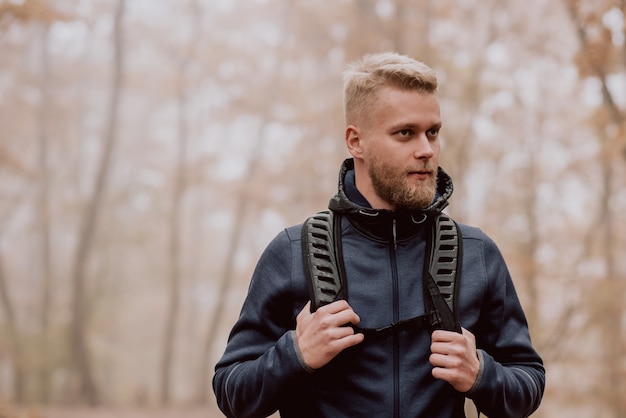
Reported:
(390, 184)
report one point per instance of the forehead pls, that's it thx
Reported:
(392, 105)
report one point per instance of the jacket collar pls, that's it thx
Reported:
(382, 224)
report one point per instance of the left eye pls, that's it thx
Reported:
(405, 132)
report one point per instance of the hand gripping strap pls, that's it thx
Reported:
(445, 255)
(323, 259)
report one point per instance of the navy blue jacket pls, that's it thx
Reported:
(261, 370)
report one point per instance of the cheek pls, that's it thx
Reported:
(387, 150)
(374, 149)
(436, 147)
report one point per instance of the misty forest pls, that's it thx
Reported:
(151, 149)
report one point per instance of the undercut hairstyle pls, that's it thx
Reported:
(363, 78)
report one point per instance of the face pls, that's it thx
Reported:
(396, 148)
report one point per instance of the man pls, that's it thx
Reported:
(281, 356)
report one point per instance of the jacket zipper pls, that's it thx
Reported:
(396, 317)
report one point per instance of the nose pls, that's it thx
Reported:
(424, 148)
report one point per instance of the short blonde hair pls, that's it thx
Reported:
(363, 78)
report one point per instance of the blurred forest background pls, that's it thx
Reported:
(150, 149)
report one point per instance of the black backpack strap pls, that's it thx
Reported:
(323, 259)
(442, 267)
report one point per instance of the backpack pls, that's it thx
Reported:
(327, 281)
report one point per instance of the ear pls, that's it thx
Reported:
(354, 141)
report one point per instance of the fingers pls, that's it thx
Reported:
(449, 336)
(323, 334)
(339, 313)
(448, 343)
(454, 358)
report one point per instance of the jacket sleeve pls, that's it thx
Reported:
(261, 362)
(512, 377)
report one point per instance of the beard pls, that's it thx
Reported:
(391, 184)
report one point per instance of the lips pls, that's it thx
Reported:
(422, 175)
(422, 172)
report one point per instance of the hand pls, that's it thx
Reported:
(454, 358)
(322, 335)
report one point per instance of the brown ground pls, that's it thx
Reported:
(109, 413)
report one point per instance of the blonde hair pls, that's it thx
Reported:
(363, 78)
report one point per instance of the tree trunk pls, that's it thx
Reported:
(530, 269)
(43, 205)
(461, 163)
(227, 277)
(175, 228)
(87, 390)
(611, 326)
(14, 337)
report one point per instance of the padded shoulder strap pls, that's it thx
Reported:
(441, 277)
(323, 259)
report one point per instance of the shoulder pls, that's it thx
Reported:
(290, 237)
(475, 240)
(469, 232)
(472, 232)
(280, 260)
(293, 233)
(284, 248)
(285, 238)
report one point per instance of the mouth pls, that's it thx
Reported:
(421, 174)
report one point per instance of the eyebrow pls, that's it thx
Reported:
(414, 126)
